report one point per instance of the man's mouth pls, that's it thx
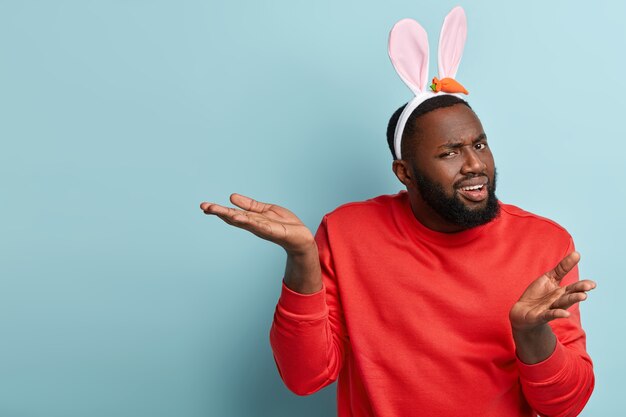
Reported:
(475, 192)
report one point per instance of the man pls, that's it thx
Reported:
(439, 300)
(436, 301)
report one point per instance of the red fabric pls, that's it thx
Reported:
(414, 322)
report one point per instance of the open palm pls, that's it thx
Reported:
(545, 299)
(268, 221)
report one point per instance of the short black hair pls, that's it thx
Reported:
(411, 128)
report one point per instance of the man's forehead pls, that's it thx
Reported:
(453, 124)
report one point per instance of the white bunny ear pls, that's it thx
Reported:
(408, 50)
(452, 42)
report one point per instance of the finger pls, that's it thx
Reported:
(236, 214)
(257, 225)
(550, 315)
(567, 300)
(204, 205)
(236, 217)
(580, 286)
(239, 219)
(567, 264)
(225, 219)
(248, 203)
(272, 211)
(212, 208)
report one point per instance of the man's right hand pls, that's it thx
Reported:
(281, 226)
(267, 221)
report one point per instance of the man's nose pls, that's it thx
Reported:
(472, 163)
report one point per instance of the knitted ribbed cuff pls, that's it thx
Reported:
(546, 369)
(305, 306)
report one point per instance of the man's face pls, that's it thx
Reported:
(453, 168)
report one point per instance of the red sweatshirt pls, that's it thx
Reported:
(415, 323)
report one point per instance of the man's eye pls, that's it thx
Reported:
(481, 146)
(447, 154)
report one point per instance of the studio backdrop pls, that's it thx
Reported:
(119, 297)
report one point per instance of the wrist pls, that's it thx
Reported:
(302, 272)
(530, 332)
(535, 344)
(304, 250)
(304, 287)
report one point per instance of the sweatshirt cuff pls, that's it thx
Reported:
(546, 369)
(309, 306)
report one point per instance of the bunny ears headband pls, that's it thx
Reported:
(408, 50)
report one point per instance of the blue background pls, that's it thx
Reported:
(117, 118)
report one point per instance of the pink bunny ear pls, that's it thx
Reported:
(408, 50)
(452, 42)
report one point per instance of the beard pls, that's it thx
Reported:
(452, 208)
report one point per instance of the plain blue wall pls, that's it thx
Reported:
(117, 118)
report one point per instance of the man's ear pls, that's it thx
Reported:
(402, 170)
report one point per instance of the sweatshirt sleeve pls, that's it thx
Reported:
(308, 336)
(561, 385)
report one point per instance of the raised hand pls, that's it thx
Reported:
(545, 300)
(281, 226)
(268, 221)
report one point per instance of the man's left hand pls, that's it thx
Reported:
(543, 301)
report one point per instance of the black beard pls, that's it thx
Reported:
(452, 208)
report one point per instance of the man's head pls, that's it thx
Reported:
(447, 166)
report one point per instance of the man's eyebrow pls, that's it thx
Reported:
(456, 145)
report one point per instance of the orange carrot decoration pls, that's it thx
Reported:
(447, 85)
